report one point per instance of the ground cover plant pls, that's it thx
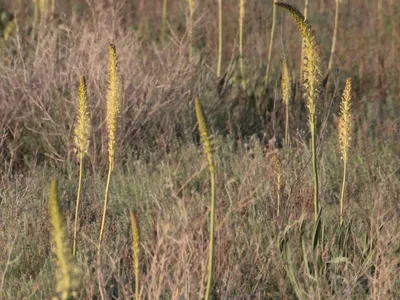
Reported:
(199, 149)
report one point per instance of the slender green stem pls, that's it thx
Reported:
(164, 21)
(190, 33)
(220, 38)
(241, 20)
(78, 200)
(279, 201)
(333, 49)
(343, 191)
(105, 207)
(137, 285)
(287, 125)
(314, 162)
(271, 42)
(212, 233)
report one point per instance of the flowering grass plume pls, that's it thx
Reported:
(113, 113)
(209, 150)
(81, 141)
(345, 128)
(67, 272)
(311, 82)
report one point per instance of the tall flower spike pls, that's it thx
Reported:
(113, 103)
(209, 149)
(82, 136)
(311, 72)
(82, 126)
(67, 281)
(311, 78)
(345, 124)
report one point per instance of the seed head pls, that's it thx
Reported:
(345, 124)
(205, 135)
(286, 83)
(82, 126)
(67, 273)
(311, 59)
(113, 103)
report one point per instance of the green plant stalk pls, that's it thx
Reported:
(314, 163)
(190, 33)
(333, 49)
(78, 200)
(343, 191)
(164, 21)
(287, 125)
(219, 38)
(241, 20)
(279, 200)
(271, 42)
(136, 252)
(212, 236)
(35, 12)
(105, 206)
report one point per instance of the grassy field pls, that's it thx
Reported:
(271, 240)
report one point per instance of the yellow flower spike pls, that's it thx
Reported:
(81, 140)
(205, 135)
(345, 124)
(209, 149)
(345, 128)
(67, 272)
(311, 82)
(113, 113)
(113, 103)
(82, 126)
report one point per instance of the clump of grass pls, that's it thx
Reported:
(219, 38)
(286, 94)
(242, 13)
(209, 150)
(67, 272)
(81, 141)
(113, 113)
(311, 79)
(345, 127)
(136, 251)
(271, 42)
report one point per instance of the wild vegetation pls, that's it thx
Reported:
(199, 149)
